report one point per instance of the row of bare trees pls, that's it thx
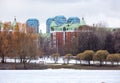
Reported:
(100, 39)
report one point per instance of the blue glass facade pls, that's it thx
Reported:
(73, 20)
(60, 20)
(48, 22)
(34, 23)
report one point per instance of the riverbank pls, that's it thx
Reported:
(31, 66)
(20, 66)
(86, 67)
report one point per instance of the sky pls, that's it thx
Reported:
(93, 11)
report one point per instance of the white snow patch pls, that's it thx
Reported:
(59, 76)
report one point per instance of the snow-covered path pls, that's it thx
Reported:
(59, 76)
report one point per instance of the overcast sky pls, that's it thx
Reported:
(94, 11)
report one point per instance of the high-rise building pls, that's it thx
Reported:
(60, 23)
(73, 20)
(57, 22)
(34, 24)
(60, 20)
(48, 23)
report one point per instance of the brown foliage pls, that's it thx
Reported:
(100, 56)
(17, 45)
(113, 58)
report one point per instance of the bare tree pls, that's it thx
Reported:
(116, 38)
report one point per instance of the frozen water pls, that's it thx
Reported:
(59, 76)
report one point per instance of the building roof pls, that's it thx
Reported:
(67, 26)
(53, 24)
(14, 23)
(73, 26)
(82, 22)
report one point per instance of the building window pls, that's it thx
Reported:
(64, 28)
(52, 29)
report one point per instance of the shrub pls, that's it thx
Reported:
(78, 57)
(113, 58)
(88, 55)
(67, 57)
(55, 57)
(100, 56)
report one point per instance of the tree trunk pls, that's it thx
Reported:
(20, 60)
(55, 61)
(15, 60)
(100, 63)
(112, 63)
(76, 61)
(93, 62)
(3, 59)
(24, 65)
(67, 61)
(89, 63)
(80, 61)
(117, 63)
(105, 62)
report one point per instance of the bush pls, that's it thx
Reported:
(113, 58)
(78, 57)
(88, 55)
(55, 57)
(67, 58)
(100, 56)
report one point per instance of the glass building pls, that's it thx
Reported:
(48, 23)
(73, 20)
(54, 23)
(60, 23)
(33, 23)
(60, 20)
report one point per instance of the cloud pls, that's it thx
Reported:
(58, 1)
(93, 10)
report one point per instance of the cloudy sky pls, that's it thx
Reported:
(94, 11)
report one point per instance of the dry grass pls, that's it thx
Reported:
(19, 66)
(92, 67)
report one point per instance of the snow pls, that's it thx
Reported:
(45, 60)
(59, 76)
(60, 61)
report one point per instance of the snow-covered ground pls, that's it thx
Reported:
(45, 60)
(60, 76)
(60, 61)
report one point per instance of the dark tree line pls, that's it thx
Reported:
(86, 38)
(99, 39)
